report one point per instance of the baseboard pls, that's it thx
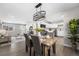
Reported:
(6, 44)
(60, 36)
(67, 45)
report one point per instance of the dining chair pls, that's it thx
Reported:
(28, 43)
(37, 45)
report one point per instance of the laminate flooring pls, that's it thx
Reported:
(18, 49)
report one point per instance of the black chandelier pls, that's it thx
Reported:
(39, 14)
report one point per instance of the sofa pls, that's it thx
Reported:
(4, 38)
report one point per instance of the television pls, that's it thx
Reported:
(42, 26)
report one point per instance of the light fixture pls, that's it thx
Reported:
(39, 14)
(38, 5)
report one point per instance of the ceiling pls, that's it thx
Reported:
(23, 12)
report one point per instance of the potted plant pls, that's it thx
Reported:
(73, 32)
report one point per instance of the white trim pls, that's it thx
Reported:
(66, 45)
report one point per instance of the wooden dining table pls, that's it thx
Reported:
(48, 43)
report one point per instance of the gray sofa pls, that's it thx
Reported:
(6, 39)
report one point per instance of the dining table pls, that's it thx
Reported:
(48, 42)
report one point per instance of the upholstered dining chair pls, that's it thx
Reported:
(28, 43)
(37, 46)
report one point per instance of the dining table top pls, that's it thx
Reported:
(48, 41)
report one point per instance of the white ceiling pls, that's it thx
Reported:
(23, 12)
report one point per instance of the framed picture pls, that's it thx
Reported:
(10, 28)
(0, 26)
(5, 27)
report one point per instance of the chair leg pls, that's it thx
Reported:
(26, 48)
(34, 52)
(30, 51)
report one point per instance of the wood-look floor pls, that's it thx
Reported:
(18, 49)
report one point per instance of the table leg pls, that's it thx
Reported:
(42, 48)
(49, 52)
(54, 48)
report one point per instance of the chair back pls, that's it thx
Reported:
(37, 46)
(27, 40)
